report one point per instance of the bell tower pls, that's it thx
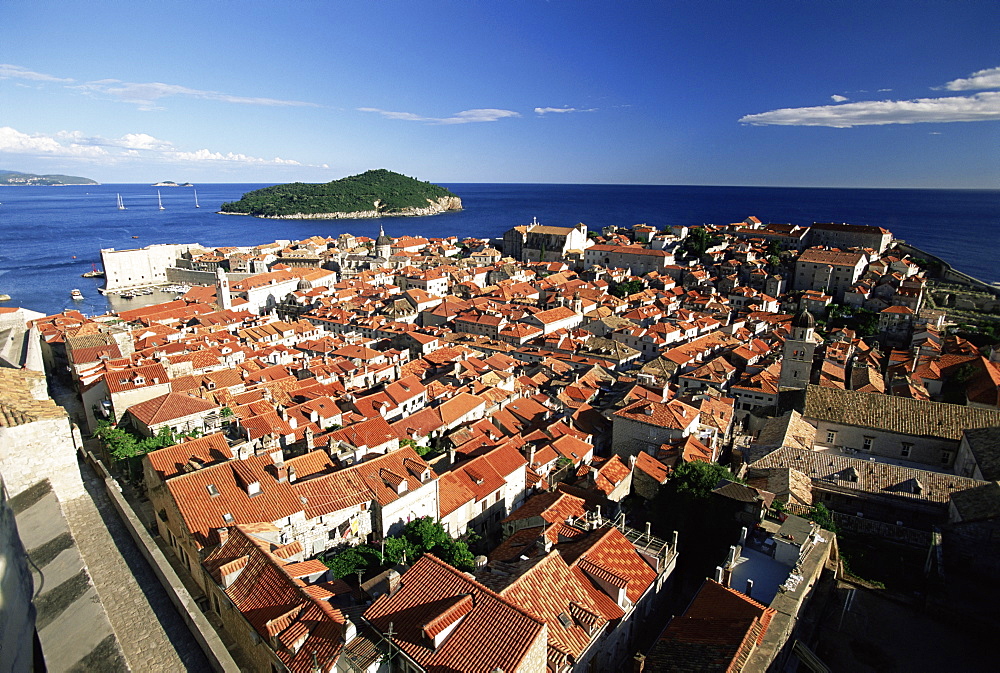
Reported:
(797, 354)
(222, 296)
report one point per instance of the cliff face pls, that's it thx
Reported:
(434, 207)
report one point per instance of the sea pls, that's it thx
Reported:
(52, 235)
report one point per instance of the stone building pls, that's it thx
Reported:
(889, 427)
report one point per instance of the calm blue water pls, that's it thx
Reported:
(52, 234)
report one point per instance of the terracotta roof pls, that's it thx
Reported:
(278, 605)
(173, 460)
(674, 414)
(203, 508)
(718, 632)
(493, 634)
(169, 407)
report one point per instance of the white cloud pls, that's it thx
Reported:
(839, 99)
(145, 94)
(978, 107)
(546, 110)
(13, 141)
(464, 117)
(130, 147)
(982, 79)
(8, 71)
(204, 155)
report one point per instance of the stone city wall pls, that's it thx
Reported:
(140, 267)
(17, 613)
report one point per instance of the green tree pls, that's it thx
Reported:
(699, 240)
(698, 478)
(818, 513)
(352, 561)
(455, 553)
(424, 534)
(627, 288)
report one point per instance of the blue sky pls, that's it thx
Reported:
(753, 92)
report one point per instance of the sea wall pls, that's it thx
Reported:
(192, 277)
(140, 267)
(949, 273)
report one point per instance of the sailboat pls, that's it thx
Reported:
(196, 199)
(121, 204)
(159, 200)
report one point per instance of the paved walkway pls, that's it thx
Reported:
(73, 629)
(150, 632)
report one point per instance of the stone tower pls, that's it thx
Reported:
(222, 296)
(383, 244)
(797, 354)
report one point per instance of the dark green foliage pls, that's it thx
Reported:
(420, 536)
(818, 513)
(412, 443)
(356, 193)
(699, 240)
(627, 288)
(352, 560)
(698, 478)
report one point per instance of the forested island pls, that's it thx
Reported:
(16, 179)
(375, 193)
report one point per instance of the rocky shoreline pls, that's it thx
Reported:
(442, 205)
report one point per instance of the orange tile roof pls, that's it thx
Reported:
(203, 512)
(169, 407)
(276, 603)
(493, 634)
(173, 460)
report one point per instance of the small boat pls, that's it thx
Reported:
(135, 237)
(127, 295)
(93, 273)
(76, 294)
(158, 200)
(196, 199)
(121, 205)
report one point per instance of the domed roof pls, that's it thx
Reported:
(382, 238)
(305, 285)
(804, 319)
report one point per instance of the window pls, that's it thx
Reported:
(831, 436)
(905, 451)
(945, 457)
(867, 445)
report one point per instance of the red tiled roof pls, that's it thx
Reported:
(169, 407)
(493, 634)
(207, 450)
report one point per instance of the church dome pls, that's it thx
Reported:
(804, 319)
(305, 285)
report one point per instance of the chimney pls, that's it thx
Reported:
(731, 559)
(749, 591)
(223, 534)
(282, 473)
(717, 576)
(673, 542)
(743, 536)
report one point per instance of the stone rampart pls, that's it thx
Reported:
(191, 277)
(197, 623)
(17, 612)
(140, 267)
(949, 273)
